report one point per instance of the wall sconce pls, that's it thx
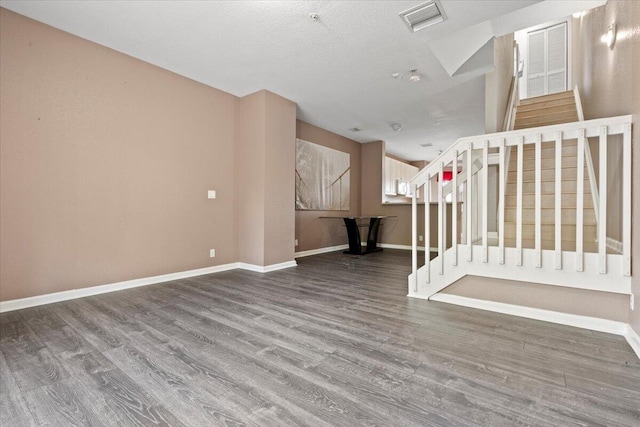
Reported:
(611, 35)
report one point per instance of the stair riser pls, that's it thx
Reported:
(547, 187)
(548, 232)
(568, 174)
(568, 200)
(546, 163)
(566, 245)
(545, 117)
(568, 94)
(566, 107)
(518, 126)
(548, 216)
(530, 153)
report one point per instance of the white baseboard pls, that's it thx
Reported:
(21, 303)
(321, 251)
(266, 268)
(404, 247)
(585, 322)
(633, 339)
(343, 247)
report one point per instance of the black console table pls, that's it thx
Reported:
(353, 224)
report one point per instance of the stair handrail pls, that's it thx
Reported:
(510, 138)
(588, 161)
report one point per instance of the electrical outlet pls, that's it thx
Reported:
(296, 242)
(420, 238)
(211, 194)
(632, 302)
(212, 253)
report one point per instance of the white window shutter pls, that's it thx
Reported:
(547, 60)
(536, 61)
(557, 54)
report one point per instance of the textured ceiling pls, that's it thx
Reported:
(338, 68)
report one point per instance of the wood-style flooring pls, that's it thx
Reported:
(332, 342)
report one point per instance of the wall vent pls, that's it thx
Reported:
(423, 16)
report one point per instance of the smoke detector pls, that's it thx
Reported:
(423, 15)
(396, 127)
(414, 76)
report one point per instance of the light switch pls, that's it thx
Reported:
(211, 194)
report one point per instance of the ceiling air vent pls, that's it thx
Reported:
(424, 15)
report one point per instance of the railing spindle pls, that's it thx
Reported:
(580, 202)
(626, 200)
(501, 202)
(485, 202)
(441, 213)
(602, 221)
(454, 208)
(414, 236)
(469, 202)
(427, 229)
(558, 202)
(519, 202)
(538, 201)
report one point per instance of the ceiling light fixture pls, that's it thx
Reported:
(415, 77)
(396, 127)
(356, 129)
(611, 35)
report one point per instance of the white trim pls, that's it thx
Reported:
(633, 339)
(18, 304)
(590, 278)
(267, 268)
(320, 251)
(614, 245)
(585, 322)
(403, 247)
(21, 303)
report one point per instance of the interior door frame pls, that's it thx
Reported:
(523, 41)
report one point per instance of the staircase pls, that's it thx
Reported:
(548, 110)
(552, 214)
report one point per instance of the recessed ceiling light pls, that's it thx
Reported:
(356, 129)
(396, 75)
(396, 127)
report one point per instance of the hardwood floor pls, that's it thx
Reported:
(332, 342)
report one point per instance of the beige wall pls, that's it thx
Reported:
(498, 84)
(265, 127)
(280, 161)
(609, 83)
(581, 302)
(106, 162)
(250, 137)
(311, 231)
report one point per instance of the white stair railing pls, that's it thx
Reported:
(476, 255)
